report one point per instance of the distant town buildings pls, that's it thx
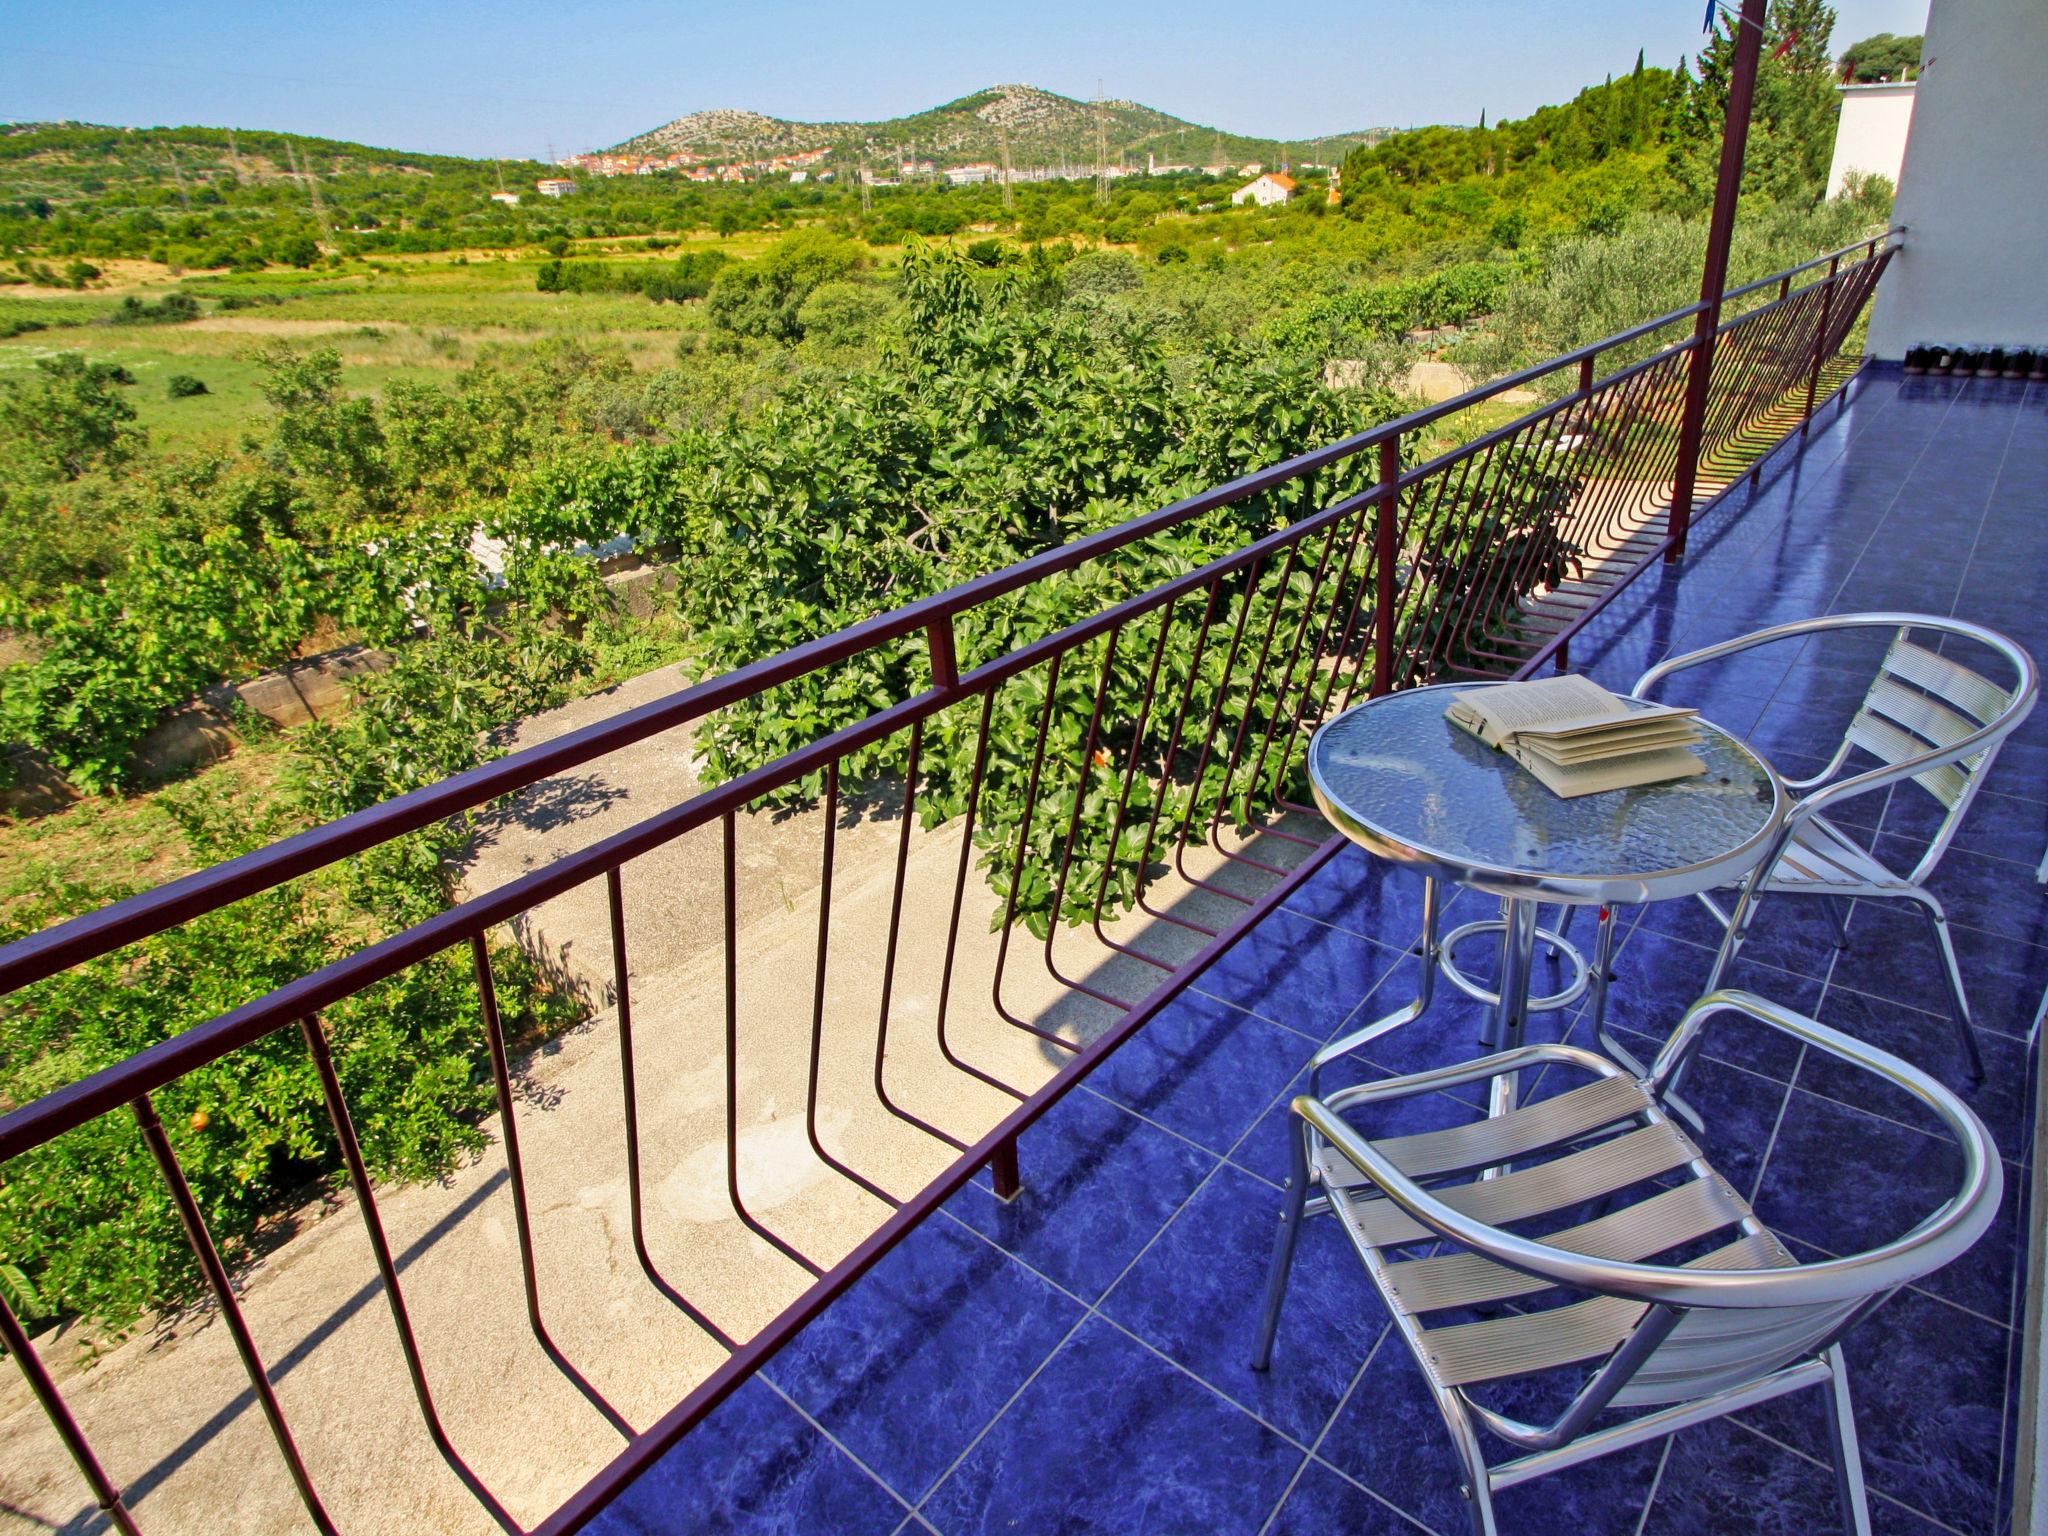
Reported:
(695, 167)
(509, 199)
(895, 171)
(554, 186)
(1266, 190)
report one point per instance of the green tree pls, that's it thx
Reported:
(66, 419)
(1882, 56)
(764, 298)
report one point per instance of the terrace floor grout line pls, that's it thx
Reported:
(909, 1508)
(1656, 1482)
(1089, 1311)
(1814, 1461)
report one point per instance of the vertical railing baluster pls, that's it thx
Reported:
(217, 1281)
(1386, 551)
(515, 1170)
(831, 809)
(967, 825)
(1820, 345)
(104, 1493)
(729, 867)
(629, 1086)
(315, 1034)
(889, 950)
(944, 657)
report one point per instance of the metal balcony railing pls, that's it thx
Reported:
(1139, 812)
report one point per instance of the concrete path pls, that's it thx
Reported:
(171, 1414)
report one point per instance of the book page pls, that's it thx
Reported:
(1610, 724)
(1531, 706)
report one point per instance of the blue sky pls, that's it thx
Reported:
(518, 77)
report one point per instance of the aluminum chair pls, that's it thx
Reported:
(1669, 1295)
(1926, 720)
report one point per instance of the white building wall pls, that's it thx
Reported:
(1973, 193)
(1870, 134)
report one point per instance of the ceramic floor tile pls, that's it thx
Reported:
(1198, 1293)
(753, 1467)
(1109, 1438)
(1098, 1184)
(907, 1366)
(1204, 1069)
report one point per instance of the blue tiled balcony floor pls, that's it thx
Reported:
(1075, 1361)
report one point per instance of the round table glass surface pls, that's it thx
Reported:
(1397, 777)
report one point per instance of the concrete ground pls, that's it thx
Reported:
(171, 1414)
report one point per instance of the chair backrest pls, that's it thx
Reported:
(1654, 1330)
(1922, 703)
(1927, 717)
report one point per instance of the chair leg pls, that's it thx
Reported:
(1848, 1457)
(1283, 1248)
(1836, 906)
(1958, 1000)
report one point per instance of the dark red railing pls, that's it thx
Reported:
(1145, 801)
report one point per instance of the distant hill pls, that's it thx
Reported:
(1045, 128)
(66, 161)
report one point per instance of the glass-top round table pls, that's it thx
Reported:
(1396, 777)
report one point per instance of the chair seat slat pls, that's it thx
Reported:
(1465, 1354)
(1532, 1128)
(1641, 1231)
(1527, 1192)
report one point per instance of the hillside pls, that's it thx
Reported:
(1045, 128)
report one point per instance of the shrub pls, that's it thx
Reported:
(182, 386)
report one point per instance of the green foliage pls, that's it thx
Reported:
(65, 420)
(688, 277)
(171, 309)
(1598, 284)
(1792, 124)
(84, 1221)
(108, 662)
(765, 298)
(1603, 151)
(183, 386)
(1882, 56)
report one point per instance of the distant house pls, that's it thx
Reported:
(798, 178)
(1870, 134)
(509, 199)
(1265, 190)
(554, 186)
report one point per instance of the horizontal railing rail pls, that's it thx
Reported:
(1131, 781)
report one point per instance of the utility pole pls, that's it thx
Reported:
(1101, 153)
(1749, 35)
(178, 175)
(312, 186)
(1009, 197)
(234, 155)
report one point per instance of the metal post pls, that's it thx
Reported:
(1820, 344)
(945, 660)
(1749, 32)
(1002, 1170)
(1386, 552)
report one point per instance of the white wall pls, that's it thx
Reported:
(1870, 135)
(1974, 190)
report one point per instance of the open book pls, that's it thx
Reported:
(1577, 737)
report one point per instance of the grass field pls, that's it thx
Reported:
(401, 317)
